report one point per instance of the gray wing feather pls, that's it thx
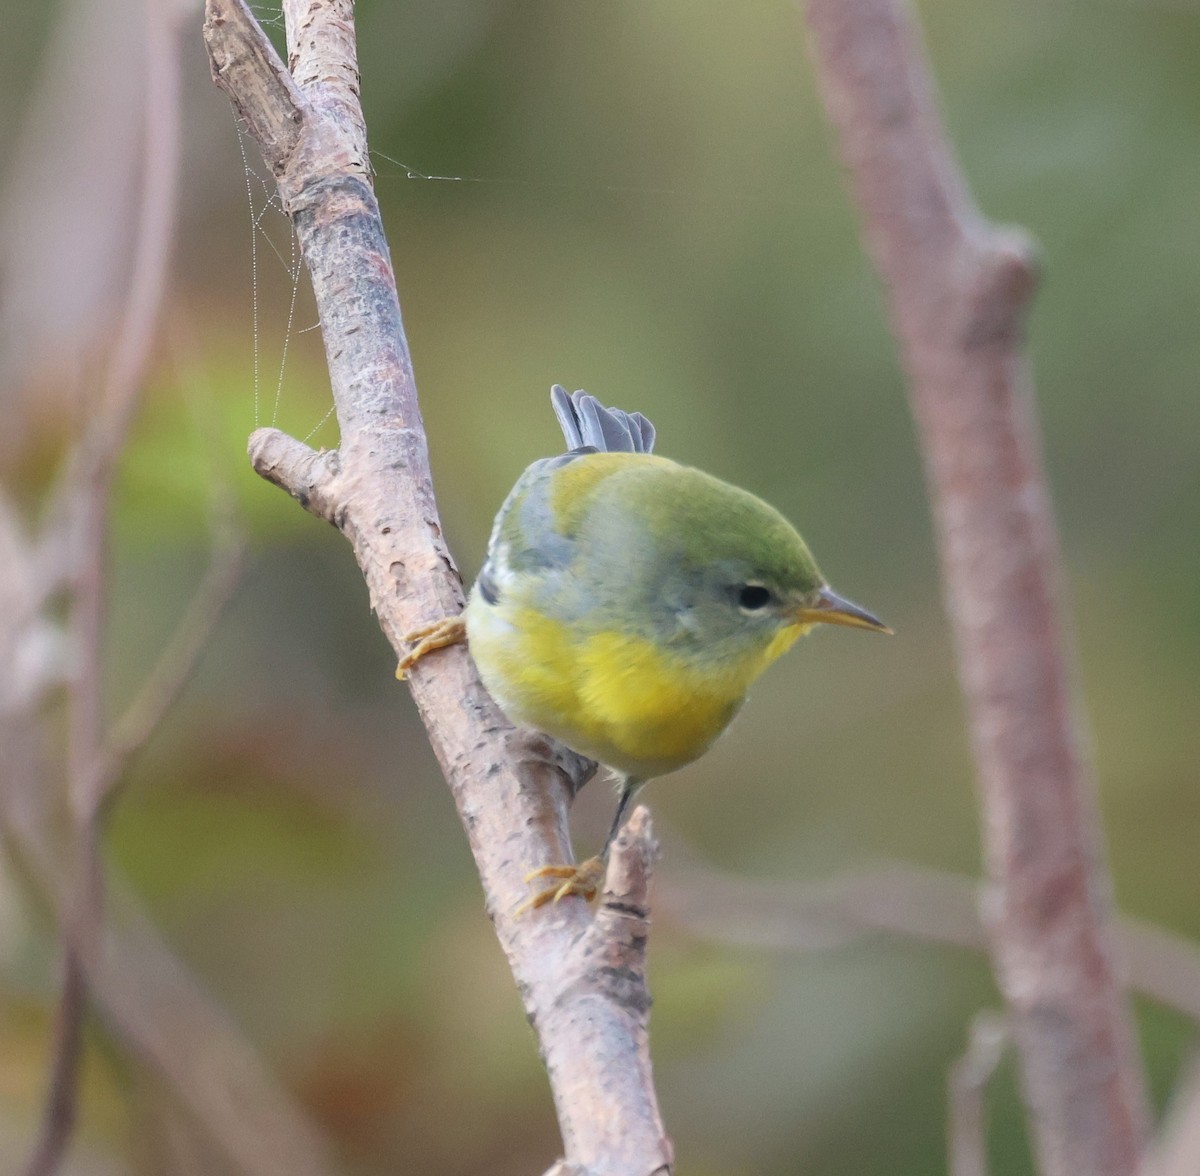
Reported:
(587, 424)
(646, 429)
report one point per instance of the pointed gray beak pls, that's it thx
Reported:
(832, 609)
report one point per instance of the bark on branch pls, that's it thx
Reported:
(958, 289)
(582, 978)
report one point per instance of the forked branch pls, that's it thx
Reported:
(512, 789)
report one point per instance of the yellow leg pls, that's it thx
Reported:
(447, 631)
(587, 878)
(584, 880)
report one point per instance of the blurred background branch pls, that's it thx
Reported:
(145, 995)
(895, 899)
(89, 508)
(958, 291)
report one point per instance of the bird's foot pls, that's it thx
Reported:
(447, 631)
(584, 880)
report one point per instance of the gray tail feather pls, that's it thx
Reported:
(588, 424)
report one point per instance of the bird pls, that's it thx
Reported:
(626, 605)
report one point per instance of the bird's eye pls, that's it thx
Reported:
(752, 597)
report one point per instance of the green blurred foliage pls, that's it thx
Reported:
(647, 204)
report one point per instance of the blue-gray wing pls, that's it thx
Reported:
(525, 538)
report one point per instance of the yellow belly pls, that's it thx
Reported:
(611, 696)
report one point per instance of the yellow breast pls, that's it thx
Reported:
(614, 697)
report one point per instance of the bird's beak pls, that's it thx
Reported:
(832, 609)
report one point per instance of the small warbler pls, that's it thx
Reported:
(628, 602)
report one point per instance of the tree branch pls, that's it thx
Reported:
(512, 789)
(958, 289)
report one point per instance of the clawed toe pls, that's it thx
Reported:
(583, 880)
(448, 631)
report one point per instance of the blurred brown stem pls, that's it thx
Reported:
(930, 906)
(958, 289)
(581, 977)
(59, 1112)
(150, 1002)
(100, 450)
(174, 668)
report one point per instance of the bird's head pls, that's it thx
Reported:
(734, 576)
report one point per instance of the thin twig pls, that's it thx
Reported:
(79, 923)
(512, 789)
(967, 1092)
(958, 290)
(60, 1111)
(175, 667)
(124, 375)
(912, 902)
